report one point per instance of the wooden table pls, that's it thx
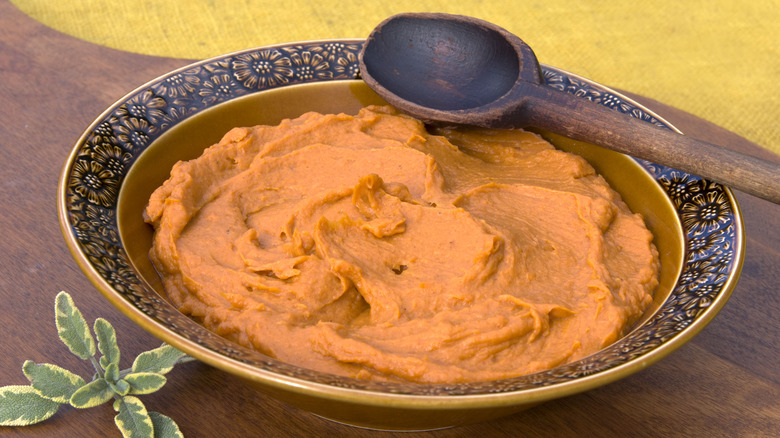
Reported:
(725, 382)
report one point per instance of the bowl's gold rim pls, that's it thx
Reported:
(371, 397)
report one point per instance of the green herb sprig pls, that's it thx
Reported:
(52, 386)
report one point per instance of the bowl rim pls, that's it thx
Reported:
(368, 396)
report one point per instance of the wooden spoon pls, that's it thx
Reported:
(452, 69)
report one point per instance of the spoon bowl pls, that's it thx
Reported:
(461, 73)
(452, 69)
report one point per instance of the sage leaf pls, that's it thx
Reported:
(106, 342)
(51, 385)
(160, 360)
(121, 387)
(132, 418)
(145, 383)
(23, 405)
(72, 328)
(51, 381)
(92, 394)
(112, 372)
(164, 427)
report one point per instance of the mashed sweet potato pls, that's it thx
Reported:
(365, 246)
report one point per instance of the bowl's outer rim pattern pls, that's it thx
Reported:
(92, 175)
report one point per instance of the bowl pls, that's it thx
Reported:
(130, 148)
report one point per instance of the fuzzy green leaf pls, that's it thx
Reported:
(112, 372)
(133, 420)
(23, 405)
(107, 344)
(92, 394)
(72, 327)
(145, 383)
(52, 381)
(160, 360)
(164, 427)
(120, 387)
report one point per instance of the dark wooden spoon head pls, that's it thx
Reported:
(451, 69)
(435, 65)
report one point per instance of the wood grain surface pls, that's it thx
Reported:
(725, 382)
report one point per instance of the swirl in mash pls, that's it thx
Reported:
(365, 246)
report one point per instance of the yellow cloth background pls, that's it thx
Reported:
(717, 59)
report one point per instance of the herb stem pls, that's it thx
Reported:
(97, 367)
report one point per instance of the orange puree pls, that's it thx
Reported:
(365, 246)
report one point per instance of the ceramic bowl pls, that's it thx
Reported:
(128, 151)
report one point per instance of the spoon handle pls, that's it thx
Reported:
(552, 110)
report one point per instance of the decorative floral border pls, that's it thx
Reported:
(103, 158)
